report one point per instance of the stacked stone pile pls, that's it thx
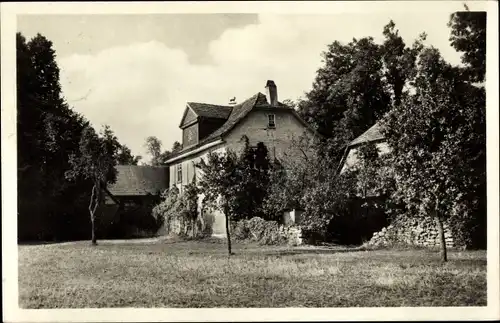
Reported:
(293, 235)
(421, 232)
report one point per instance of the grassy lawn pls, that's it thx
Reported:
(199, 274)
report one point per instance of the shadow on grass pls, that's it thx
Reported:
(38, 243)
(294, 252)
(218, 247)
(104, 242)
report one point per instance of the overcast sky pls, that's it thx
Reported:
(136, 73)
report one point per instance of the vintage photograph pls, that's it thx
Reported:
(252, 160)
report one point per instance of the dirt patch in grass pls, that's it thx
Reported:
(200, 274)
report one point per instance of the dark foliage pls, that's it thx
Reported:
(48, 132)
(468, 36)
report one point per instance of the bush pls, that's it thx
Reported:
(265, 232)
(314, 237)
(168, 209)
(177, 213)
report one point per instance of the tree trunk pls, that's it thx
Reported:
(94, 203)
(228, 234)
(439, 223)
(94, 239)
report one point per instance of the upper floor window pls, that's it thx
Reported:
(271, 121)
(179, 173)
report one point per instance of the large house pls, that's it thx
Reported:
(217, 128)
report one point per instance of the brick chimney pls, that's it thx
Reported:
(271, 93)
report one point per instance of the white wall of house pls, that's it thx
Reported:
(212, 219)
(255, 127)
(188, 167)
(278, 141)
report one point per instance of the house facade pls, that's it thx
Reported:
(218, 128)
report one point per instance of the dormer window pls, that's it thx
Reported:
(271, 121)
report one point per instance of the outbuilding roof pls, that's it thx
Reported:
(134, 180)
(374, 133)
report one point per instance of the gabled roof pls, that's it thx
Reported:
(134, 180)
(374, 133)
(238, 112)
(210, 110)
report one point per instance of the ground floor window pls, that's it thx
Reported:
(179, 173)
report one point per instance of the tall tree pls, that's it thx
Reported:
(468, 36)
(164, 156)
(153, 145)
(289, 179)
(358, 83)
(236, 184)
(399, 60)
(30, 144)
(221, 185)
(96, 162)
(348, 93)
(176, 146)
(306, 180)
(255, 166)
(48, 130)
(124, 156)
(29, 115)
(437, 139)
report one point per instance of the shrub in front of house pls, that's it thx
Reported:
(265, 232)
(177, 213)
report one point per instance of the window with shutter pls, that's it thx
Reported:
(185, 174)
(179, 173)
(192, 171)
(271, 121)
(172, 178)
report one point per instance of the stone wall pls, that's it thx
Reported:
(413, 232)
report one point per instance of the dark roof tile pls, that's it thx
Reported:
(239, 112)
(139, 180)
(211, 110)
(374, 133)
